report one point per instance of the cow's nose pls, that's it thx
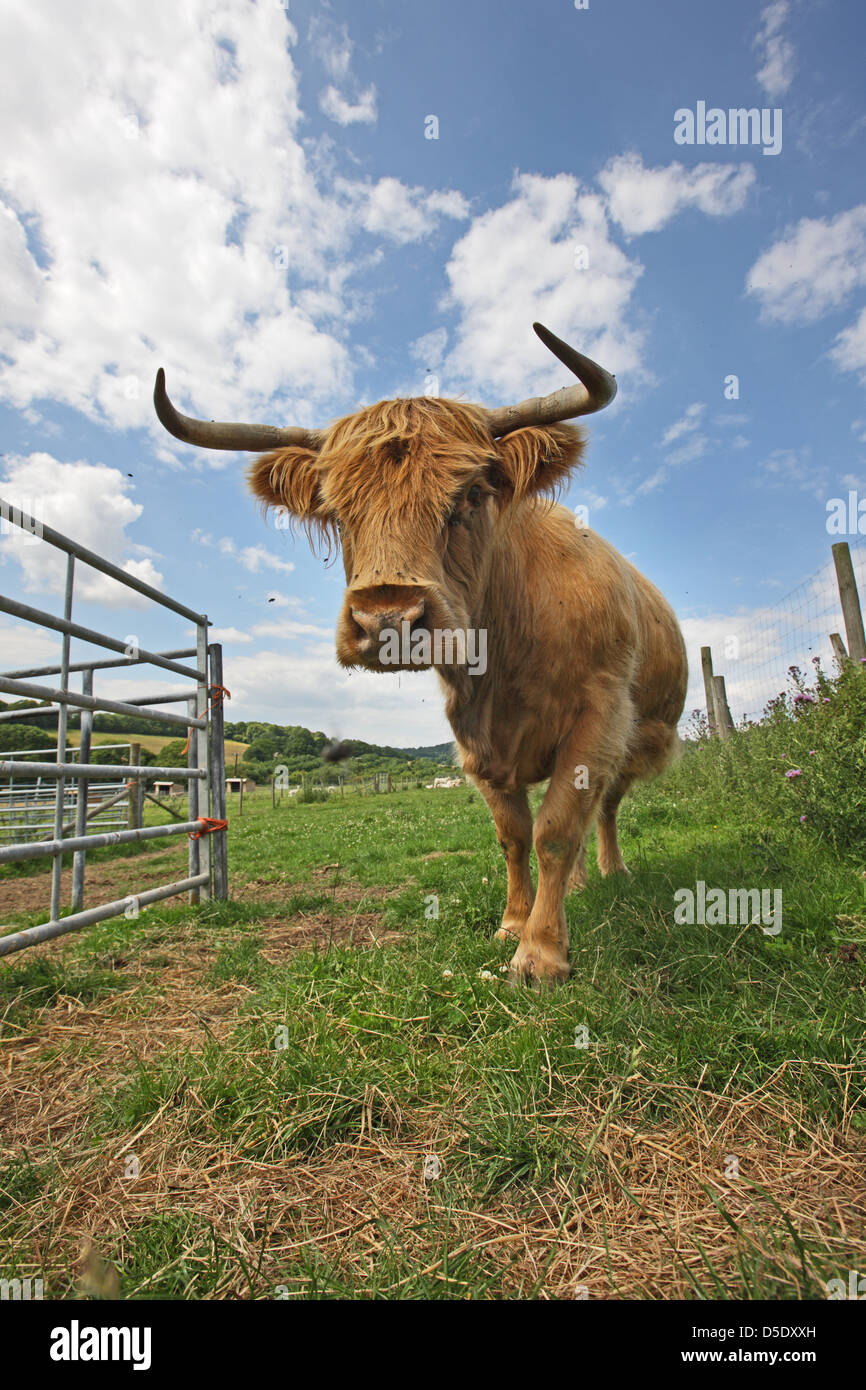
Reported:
(374, 621)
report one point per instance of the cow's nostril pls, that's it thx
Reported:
(367, 624)
(414, 616)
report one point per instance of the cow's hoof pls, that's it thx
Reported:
(608, 870)
(509, 930)
(536, 965)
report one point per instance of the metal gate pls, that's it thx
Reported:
(204, 775)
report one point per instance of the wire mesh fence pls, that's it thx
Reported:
(756, 655)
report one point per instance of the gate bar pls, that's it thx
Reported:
(30, 936)
(112, 772)
(92, 665)
(28, 691)
(41, 849)
(88, 634)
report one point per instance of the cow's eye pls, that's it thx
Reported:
(473, 496)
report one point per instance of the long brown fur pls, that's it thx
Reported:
(586, 674)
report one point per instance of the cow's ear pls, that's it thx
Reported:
(290, 481)
(536, 460)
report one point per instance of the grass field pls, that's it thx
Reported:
(323, 1089)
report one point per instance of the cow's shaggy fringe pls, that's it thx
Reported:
(421, 448)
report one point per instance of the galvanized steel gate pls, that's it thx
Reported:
(204, 774)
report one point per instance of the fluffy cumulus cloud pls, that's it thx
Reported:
(644, 200)
(812, 268)
(157, 207)
(548, 253)
(88, 501)
(390, 209)
(545, 254)
(775, 50)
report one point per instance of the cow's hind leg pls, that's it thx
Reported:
(513, 820)
(654, 744)
(578, 874)
(610, 860)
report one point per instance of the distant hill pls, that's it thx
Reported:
(436, 752)
(251, 745)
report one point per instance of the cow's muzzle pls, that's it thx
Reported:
(377, 626)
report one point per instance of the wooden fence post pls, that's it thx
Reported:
(838, 648)
(850, 601)
(707, 665)
(133, 820)
(724, 722)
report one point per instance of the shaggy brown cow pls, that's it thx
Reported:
(444, 514)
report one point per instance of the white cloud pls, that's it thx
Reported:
(168, 213)
(644, 200)
(333, 48)
(311, 689)
(253, 557)
(284, 600)
(389, 209)
(776, 53)
(787, 468)
(288, 628)
(88, 502)
(812, 268)
(24, 646)
(849, 349)
(228, 635)
(685, 425)
(335, 106)
(519, 262)
(693, 447)
(430, 348)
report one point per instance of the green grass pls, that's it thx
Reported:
(340, 1066)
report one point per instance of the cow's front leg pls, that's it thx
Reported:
(583, 768)
(513, 820)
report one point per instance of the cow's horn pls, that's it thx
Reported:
(217, 434)
(596, 390)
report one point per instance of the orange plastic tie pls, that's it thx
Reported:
(210, 827)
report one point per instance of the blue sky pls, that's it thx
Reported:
(244, 194)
